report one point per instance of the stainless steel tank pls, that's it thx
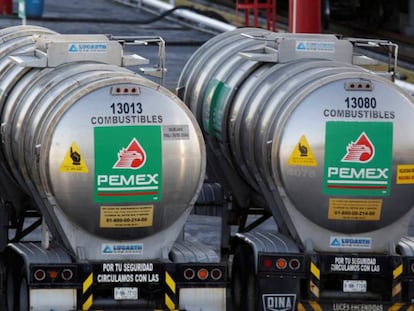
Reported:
(114, 156)
(325, 142)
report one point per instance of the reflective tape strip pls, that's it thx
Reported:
(300, 307)
(88, 303)
(397, 271)
(170, 282)
(314, 289)
(88, 297)
(315, 306)
(315, 270)
(397, 288)
(314, 279)
(395, 307)
(87, 283)
(169, 303)
(396, 283)
(170, 293)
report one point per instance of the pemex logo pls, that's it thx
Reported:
(132, 157)
(360, 151)
(128, 164)
(358, 158)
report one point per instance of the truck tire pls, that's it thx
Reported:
(23, 303)
(243, 280)
(14, 278)
(10, 289)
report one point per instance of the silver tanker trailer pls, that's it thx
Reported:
(298, 131)
(99, 170)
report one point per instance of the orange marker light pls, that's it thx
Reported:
(281, 263)
(202, 274)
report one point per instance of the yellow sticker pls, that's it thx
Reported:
(302, 154)
(73, 161)
(137, 216)
(354, 209)
(405, 174)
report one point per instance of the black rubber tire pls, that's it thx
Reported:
(16, 285)
(243, 280)
(11, 282)
(23, 292)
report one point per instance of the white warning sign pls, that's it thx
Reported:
(355, 264)
(113, 272)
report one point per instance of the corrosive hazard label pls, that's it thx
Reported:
(302, 154)
(73, 161)
(126, 216)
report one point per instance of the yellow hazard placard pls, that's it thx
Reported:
(405, 174)
(136, 216)
(302, 154)
(355, 209)
(73, 161)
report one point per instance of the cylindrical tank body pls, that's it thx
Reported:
(323, 141)
(120, 156)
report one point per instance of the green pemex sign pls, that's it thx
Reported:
(128, 164)
(358, 158)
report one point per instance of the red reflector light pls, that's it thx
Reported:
(189, 274)
(281, 263)
(202, 274)
(52, 274)
(267, 263)
(39, 275)
(294, 264)
(67, 274)
(216, 274)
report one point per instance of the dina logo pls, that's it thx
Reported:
(273, 302)
(132, 157)
(361, 151)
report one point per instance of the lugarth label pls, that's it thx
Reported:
(128, 164)
(358, 158)
(87, 47)
(350, 242)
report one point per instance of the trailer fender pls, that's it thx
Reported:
(406, 246)
(265, 242)
(19, 258)
(244, 273)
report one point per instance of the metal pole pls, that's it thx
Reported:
(305, 16)
(210, 22)
(295, 13)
